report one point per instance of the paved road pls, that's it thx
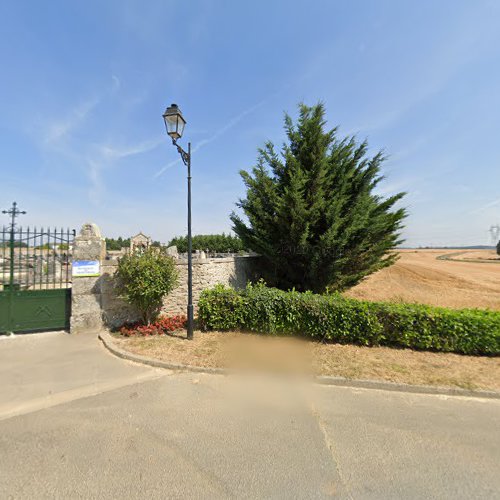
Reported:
(75, 422)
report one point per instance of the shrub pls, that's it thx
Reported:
(164, 325)
(145, 279)
(344, 320)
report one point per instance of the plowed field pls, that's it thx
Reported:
(419, 276)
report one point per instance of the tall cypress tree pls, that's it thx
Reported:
(311, 210)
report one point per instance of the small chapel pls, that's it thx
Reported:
(139, 242)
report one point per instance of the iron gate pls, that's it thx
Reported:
(35, 278)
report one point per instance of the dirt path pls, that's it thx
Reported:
(420, 277)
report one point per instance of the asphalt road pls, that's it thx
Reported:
(75, 422)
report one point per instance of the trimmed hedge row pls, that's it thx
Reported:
(339, 319)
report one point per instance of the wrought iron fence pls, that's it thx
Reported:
(35, 259)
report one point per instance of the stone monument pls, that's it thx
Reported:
(89, 246)
(139, 243)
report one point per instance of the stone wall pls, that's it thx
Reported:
(95, 303)
(232, 271)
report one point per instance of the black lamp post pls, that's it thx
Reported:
(175, 123)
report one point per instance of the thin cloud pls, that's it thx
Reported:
(492, 204)
(96, 183)
(103, 157)
(116, 82)
(460, 49)
(59, 129)
(115, 152)
(167, 166)
(232, 123)
(60, 138)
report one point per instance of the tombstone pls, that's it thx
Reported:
(173, 252)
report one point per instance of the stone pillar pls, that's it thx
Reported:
(86, 315)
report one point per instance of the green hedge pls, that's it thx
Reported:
(339, 319)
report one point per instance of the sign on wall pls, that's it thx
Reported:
(85, 268)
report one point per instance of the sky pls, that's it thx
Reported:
(84, 85)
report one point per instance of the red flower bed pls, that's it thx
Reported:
(162, 326)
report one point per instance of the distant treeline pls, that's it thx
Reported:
(119, 243)
(218, 243)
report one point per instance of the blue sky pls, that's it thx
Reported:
(84, 85)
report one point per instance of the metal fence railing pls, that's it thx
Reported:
(35, 259)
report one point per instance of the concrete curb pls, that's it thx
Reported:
(397, 387)
(108, 342)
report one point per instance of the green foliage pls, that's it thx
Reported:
(339, 319)
(118, 243)
(63, 246)
(145, 279)
(312, 212)
(219, 243)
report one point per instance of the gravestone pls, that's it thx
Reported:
(173, 252)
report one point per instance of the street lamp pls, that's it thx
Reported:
(175, 123)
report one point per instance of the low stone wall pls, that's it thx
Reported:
(96, 302)
(232, 271)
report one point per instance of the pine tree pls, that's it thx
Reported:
(311, 211)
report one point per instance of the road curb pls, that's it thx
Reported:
(108, 342)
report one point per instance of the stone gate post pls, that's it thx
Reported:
(89, 251)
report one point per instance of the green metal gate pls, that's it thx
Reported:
(35, 277)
